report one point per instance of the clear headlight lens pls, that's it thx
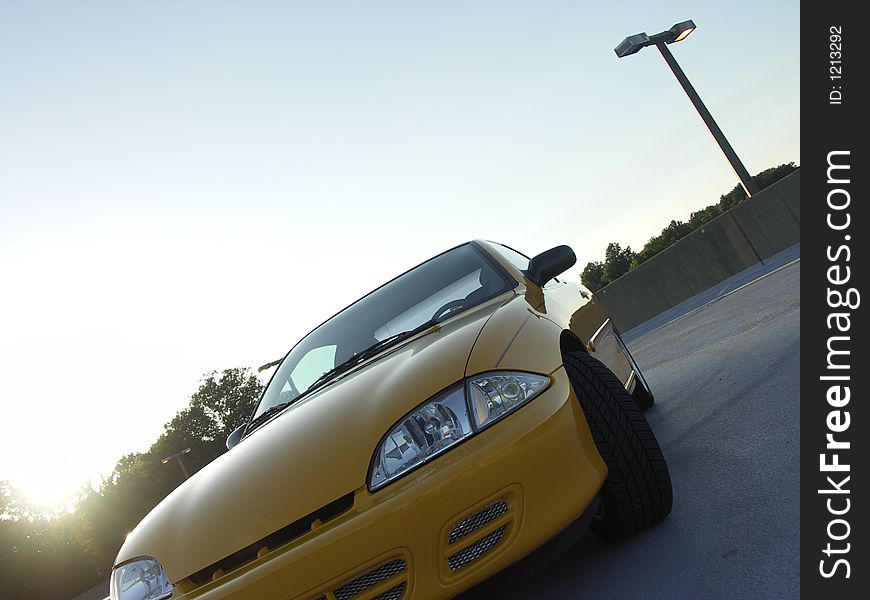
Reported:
(447, 419)
(141, 579)
(425, 433)
(493, 395)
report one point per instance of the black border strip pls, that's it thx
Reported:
(833, 100)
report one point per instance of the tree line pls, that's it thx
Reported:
(57, 556)
(618, 260)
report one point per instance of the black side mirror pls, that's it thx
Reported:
(549, 264)
(236, 436)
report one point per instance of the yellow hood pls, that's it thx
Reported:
(312, 454)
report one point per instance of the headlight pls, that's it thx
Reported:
(445, 420)
(494, 395)
(140, 579)
(432, 428)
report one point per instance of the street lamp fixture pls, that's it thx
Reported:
(177, 458)
(634, 43)
(681, 31)
(678, 33)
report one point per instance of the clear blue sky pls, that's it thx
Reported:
(189, 186)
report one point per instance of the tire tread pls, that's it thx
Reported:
(637, 492)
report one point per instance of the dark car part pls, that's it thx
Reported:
(637, 492)
(642, 393)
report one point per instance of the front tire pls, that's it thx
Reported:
(637, 492)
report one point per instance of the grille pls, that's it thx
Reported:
(393, 594)
(467, 556)
(274, 540)
(360, 584)
(477, 520)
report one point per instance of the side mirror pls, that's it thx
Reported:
(549, 264)
(236, 436)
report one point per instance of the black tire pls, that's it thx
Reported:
(637, 492)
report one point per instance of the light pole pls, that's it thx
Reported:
(678, 33)
(177, 457)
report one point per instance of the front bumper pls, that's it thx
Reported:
(445, 527)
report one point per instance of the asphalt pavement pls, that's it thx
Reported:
(725, 377)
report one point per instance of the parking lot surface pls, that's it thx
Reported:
(727, 418)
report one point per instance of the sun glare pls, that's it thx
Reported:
(47, 494)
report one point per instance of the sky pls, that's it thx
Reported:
(192, 186)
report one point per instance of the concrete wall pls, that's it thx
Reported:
(744, 236)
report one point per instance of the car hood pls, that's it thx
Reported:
(312, 454)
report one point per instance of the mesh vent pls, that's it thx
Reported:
(393, 594)
(465, 557)
(372, 578)
(477, 520)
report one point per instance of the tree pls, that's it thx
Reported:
(597, 274)
(41, 556)
(593, 276)
(617, 261)
(222, 403)
(762, 180)
(705, 215)
(50, 556)
(674, 232)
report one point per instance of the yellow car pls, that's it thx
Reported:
(431, 434)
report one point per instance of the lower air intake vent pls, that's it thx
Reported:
(467, 556)
(477, 520)
(393, 594)
(356, 586)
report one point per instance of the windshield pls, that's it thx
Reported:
(437, 289)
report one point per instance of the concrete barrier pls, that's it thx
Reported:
(749, 233)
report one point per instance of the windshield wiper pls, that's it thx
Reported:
(267, 414)
(338, 369)
(368, 353)
(269, 365)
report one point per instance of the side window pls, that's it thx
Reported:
(311, 366)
